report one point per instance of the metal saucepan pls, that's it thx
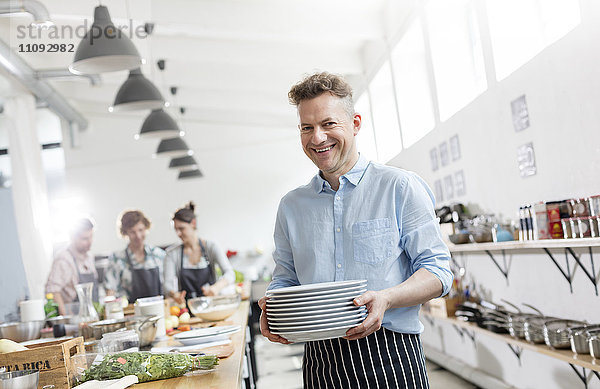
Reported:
(556, 332)
(594, 344)
(145, 326)
(102, 327)
(24, 379)
(579, 338)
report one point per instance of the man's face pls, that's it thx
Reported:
(137, 234)
(82, 241)
(327, 133)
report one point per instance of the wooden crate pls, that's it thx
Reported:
(52, 359)
(442, 306)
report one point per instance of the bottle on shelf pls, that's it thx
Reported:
(51, 307)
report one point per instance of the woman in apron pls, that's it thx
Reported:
(73, 265)
(190, 267)
(136, 271)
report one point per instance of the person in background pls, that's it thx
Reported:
(137, 270)
(190, 268)
(73, 265)
(356, 220)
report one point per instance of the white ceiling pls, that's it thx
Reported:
(232, 61)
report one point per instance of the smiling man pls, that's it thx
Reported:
(355, 220)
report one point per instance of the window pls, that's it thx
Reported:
(365, 140)
(385, 117)
(412, 86)
(520, 29)
(456, 53)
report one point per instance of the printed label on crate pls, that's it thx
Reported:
(37, 365)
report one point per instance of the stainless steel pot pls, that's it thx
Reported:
(145, 326)
(579, 338)
(102, 327)
(534, 328)
(594, 344)
(556, 332)
(24, 379)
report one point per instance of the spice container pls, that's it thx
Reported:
(566, 227)
(595, 226)
(580, 207)
(584, 227)
(574, 227)
(594, 205)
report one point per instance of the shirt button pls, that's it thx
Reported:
(338, 229)
(339, 265)
(338, 197)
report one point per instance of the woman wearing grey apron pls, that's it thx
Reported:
(190, 268)
(136, 271)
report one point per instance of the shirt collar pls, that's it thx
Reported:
(353, 176)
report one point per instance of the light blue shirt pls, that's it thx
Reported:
(380, 226)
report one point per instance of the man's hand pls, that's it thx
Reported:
(264, 326)
(179, 297)
(377, 303)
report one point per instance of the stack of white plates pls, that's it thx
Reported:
(315, 311)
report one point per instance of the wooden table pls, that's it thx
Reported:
(228, 373)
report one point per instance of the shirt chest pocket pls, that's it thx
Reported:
(373, 240)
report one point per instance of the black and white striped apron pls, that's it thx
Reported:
(384, 359)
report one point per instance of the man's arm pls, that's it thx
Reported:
(422, 286)
(421, 240)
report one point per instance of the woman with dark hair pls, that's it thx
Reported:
(136, 271)
(190, 268)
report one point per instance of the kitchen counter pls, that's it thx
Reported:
(228, 374)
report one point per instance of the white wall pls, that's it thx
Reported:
(562, 87)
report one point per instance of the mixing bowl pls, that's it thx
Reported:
(214, 308)
(22, 331)
(23, 379)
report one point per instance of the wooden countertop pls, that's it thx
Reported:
(228, 373)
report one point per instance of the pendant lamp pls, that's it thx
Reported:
(104, 48)
(137, 93)
(159, 124)
(189, 174)
(173, 147)
(183, 163)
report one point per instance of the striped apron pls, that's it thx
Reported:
(384, 359)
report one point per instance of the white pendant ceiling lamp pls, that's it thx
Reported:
(173, 147)
(189, 174)
(137, 93)
(183, 163)
(159, 124)
(104, 48)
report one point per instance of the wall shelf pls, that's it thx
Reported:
(583, 361)
(525, 245)
(568, 245)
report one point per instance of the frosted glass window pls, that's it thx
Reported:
(412, 86)
(456, 53)
(365, 140)
(520, 29)
(385, 117)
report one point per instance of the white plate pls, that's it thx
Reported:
(277, 300)
(348, 303)
(205, 339)
(314, 327)
(322, 286)
(311, 303)
(282, 296)
(317, 312)
(307, 336)
(324, 316)
(210, 331)
(309, 324)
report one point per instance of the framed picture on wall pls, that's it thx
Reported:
(449, 187)
(520, 113)
(438, 192)
(454, 148)
(434, 159)
(444, 157)
(459, 183)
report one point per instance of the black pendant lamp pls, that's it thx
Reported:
(189, 174)
(137, 93)
(183, 163)
(104, 48)
(173, 147)
(159, 124)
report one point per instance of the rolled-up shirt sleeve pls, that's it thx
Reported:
(420, 233)
(170, 279)
(284, 273)
(216, 254)
(112, 275)
(59, 276)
